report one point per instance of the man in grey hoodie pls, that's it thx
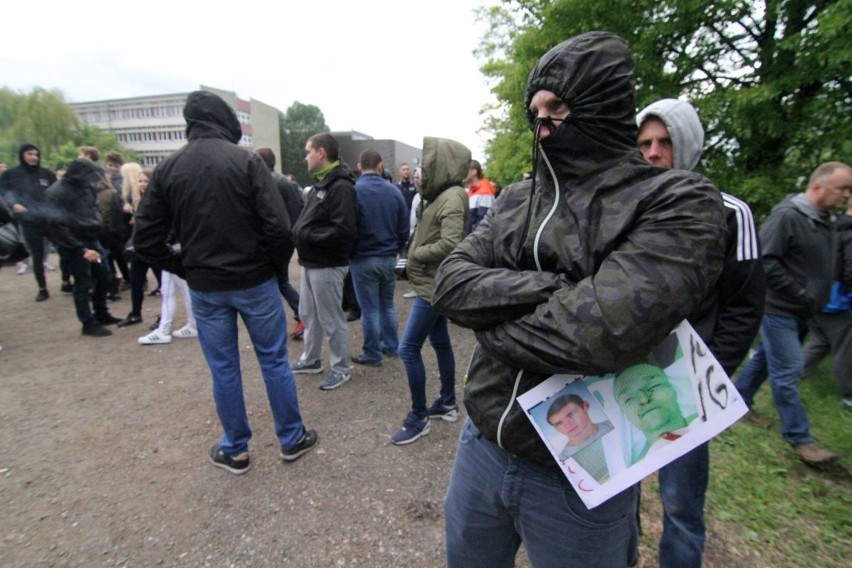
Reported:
(671, 136)
(798, 241)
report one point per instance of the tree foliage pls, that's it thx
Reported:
(770, 79)
(42, 117)
(297, 124)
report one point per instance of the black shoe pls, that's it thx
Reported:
(95, 329)
(305, 445)
(219, 459)
(42, 295)
(131, 319)
(125, 286)
(155, 292)
(67, 287)
(353, 316)
(361, 361)
(107, 319)
(113, 297)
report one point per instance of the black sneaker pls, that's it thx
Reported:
(226, 462)
(305, 445)
(95, 329)
(42, 295)
(107, 319)
(131, 319)
(358, 359)
(67, 287)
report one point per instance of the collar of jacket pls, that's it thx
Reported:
(320, 175)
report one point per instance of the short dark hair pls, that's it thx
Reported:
(267, 155)
(563, 401)
(474, 165)
(370, 159)
(90, 152)
(115, 158)
(328, 143)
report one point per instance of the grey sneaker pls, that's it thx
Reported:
(333, 380)
(302, 368)
(305, 445)
(438, 410)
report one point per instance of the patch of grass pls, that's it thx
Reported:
(794, 515)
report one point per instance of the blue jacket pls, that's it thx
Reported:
(382, 217)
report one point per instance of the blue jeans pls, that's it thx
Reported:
(781, 349)
(374, 280)
(263, 314)
(683, 487)
(423, 322)
(495, 501)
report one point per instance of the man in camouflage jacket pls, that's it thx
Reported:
(582, 269)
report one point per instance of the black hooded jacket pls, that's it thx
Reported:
(589, 268)
(221, 202)
(72, 213)
(26, 185)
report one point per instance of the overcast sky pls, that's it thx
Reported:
(398, 69)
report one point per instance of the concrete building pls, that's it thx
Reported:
(393, 153)
(154, 127)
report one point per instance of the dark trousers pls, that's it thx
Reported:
(138, 273)
(34, 237)
(94, 275)
(114, 244)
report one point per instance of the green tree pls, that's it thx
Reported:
(771, 79)
(42, 117)
(297, 124)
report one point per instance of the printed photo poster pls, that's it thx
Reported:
(608, 432)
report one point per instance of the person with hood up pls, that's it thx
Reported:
(325, 238)
(24, 187)
(671, 136)
(799, 248)
(74, 223)
(221, 204)
(583, 269)
(444, 214)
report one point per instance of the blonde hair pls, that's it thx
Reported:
(130, 183)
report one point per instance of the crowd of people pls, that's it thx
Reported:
(582, 268)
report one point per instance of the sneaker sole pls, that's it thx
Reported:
(307, 371)
(448, 417)
(336, 385)
(413, 439)
(153, 342)
(228, 468)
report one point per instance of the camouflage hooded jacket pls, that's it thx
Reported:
(588, 267)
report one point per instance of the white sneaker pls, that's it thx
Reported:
(155, 338)
(49, 267)
(185, 332)
(22, 268)
(409, 295)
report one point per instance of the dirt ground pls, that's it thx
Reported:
(104, 445)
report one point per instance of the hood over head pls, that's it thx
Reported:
(209, 112)
(445, 164)
(83, 173)
(593, 74)
(684, 128)
(23, 148)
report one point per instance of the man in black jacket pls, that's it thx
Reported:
(222, 205)
(23, 187)
(671, 136)
(292, 196)
(325, 238)
(74, 225)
